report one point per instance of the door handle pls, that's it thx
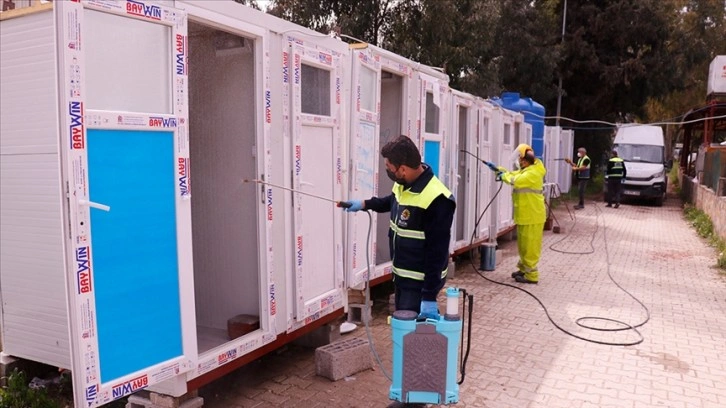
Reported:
(94, 205)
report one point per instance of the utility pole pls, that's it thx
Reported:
(559, 87)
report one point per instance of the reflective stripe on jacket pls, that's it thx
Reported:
(407, 228)
(616, 168)
(527, 195)
(584, 174)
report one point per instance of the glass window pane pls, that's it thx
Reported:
(131, 65)
(507, 134)
(368, 88)
(315, 88)
(432, 114)
(486, 129)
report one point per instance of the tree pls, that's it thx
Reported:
(527, 43)
(249, 3)
(455, 35)
(360, 19)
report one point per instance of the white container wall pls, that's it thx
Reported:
(34, 318)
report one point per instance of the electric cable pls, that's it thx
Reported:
(602, 122)
(579, 321)
(592, 241)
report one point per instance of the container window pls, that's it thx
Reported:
(517, 131)
(432, 114)
(131, 68)
(507, 134)
(368, 88)
(315, 88)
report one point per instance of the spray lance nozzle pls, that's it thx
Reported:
(488, 164)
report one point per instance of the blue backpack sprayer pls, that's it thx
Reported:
(425, 353)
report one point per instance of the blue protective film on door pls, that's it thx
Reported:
(432, 155)
(134, 249)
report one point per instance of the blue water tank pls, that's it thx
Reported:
(530, 108)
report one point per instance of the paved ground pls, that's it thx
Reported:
(519, 359)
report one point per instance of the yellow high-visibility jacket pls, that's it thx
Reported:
(527, 194)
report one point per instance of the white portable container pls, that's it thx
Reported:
(558, 146)
(717, 76)
(391, 96)
(464, 167)
(487, 139)
(508, 134)
(111, 266)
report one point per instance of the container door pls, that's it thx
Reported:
(506, 148)
(364, 161)
(129, 275)
(433, 110)
(318, 172)
(485, 176)
(464, 165)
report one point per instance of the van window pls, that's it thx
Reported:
(640, 153)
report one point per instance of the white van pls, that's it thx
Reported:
(643, 150)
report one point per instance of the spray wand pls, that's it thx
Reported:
(488, 164)
(341, 204)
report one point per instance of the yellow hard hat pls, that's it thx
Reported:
(522, 149)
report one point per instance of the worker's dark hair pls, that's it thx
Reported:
(402, 151)
(529, 156)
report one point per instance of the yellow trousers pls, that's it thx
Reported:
(529, 244)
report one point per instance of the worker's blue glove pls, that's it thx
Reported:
(429, 309)
(352, 205)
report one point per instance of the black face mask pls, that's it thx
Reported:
(392, 176)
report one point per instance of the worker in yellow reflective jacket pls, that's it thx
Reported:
(529, 210)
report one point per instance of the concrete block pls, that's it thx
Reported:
(321, 336)
(452, 269)
(154, 400)
(358, 313)
(343, 359)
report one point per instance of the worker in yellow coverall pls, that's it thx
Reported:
(529, 210)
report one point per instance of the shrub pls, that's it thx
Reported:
(17, 394)
(704, 227)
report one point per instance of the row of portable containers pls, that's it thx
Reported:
(133, 137)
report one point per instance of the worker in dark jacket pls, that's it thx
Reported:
(615, 176)
(422, 211)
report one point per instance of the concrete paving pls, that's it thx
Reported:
(519, 359)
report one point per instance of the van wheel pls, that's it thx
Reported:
(659, 202)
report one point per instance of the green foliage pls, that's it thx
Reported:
(596, 184)
(17, 394)
(704, 227)
(619, 60)
(673, 176)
